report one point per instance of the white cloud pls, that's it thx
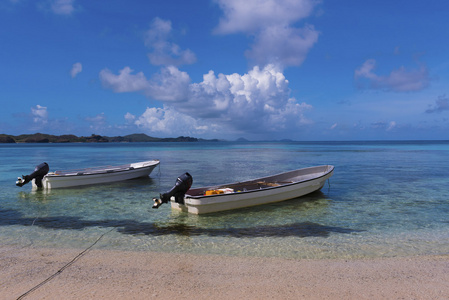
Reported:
(76, 69)
(391, 125)
(258, 101)
(125, 81)
(100, 118)
(441, 104)
(277, 41)
(62, 7)
(164, 52)
(252, 15)
(39, 114)
(366, 69)
(384, 125)
(130, 117)
(97, 123)
(169, 85)
(283, 46)
(168, 121)
(399, 80)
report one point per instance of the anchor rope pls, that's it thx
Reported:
(64, 267)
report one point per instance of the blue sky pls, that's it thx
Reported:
(259, 69)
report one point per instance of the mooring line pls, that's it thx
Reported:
(63, 268)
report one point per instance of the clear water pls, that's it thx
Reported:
(385, 199)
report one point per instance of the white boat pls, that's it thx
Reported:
(88, 176)
(259, 191)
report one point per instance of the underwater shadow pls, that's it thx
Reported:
(303, 229)
(315, 200)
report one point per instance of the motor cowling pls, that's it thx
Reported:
(178, 191)
(39, 172)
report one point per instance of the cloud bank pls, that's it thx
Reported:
(258, 101)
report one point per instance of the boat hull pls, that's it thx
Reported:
(90, 177)
(309, 180)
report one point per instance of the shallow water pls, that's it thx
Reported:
(385, 199)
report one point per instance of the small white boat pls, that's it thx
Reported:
(254, 192)
(88, 176)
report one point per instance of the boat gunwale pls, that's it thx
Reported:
(327, 172)
(93, 171)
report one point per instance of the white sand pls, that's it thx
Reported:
(102, 274)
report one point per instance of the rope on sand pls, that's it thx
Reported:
(63, 268)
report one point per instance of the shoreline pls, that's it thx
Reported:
(112, 274)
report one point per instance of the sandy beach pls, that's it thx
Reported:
(106, 274)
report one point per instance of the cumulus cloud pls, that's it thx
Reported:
(124, 81)
(276, 40)
(283, 46)
(170, 84)
(76, 69)
(441, 104)
(169, 121)
(129, 117)
(39, 115)
(399, 80)
(251, 15)
(258, 101)
(62, 7)
(165, 52)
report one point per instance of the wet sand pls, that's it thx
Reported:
(107, 274)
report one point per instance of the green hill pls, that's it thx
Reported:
(70, 138)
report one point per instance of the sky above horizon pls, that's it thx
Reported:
(257, 69)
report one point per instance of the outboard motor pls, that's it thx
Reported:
(39, 172)
(183, 184)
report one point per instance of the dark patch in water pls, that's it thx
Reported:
(304, 229)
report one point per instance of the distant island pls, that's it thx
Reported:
(94, 138)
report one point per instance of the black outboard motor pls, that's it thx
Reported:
(183, 184)
(39, 172)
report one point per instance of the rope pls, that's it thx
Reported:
(63, 268)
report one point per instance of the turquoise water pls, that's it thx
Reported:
(385, 199)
